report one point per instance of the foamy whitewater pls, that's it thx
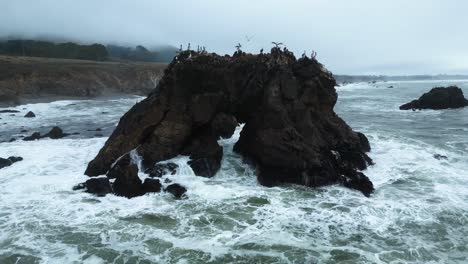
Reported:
(418, 214)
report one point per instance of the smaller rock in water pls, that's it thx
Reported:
(98, 186)
(391, 86)
(55, 133)
(438, 98)
(152, 185)
(34, 136)
(30, 114)
(162, 169)
(12, 140)
(8, 111)
(127, 183)
(5, 163)
(440, 157)
(15, 159)
(177, 190)
(9, 161)
(358, 181)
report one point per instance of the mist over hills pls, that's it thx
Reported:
(95, 51)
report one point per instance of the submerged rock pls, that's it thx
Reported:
(438, 98)
(30, 114)
(152, 185)
(99, 186)
(5, 163)
(9, 161)
(54, 133)
(177, 190)
(34, 136)
(8, 111)
(440, 157)
(291, 132)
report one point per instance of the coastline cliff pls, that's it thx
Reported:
(29, 78)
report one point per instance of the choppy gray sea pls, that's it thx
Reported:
(418, 214)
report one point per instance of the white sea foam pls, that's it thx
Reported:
(419, 212)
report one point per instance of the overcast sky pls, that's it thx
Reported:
(352, 37)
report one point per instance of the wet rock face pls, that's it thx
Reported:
(98, 186)
(127, 183)
(438, 98)
(177, 190)
(291, 132)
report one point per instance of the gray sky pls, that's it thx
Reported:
(352, 37)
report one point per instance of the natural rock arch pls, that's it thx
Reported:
(290, 132)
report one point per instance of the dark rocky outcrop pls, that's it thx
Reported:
(54, 133)
(291, 132)
(152, 185)
(9, 161)
(127, 183)
(438, 98)
(30, 114)
(177, 190)
(98, 186)
(34, 136)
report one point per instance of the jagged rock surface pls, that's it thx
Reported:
(291, 132)
(438, 98)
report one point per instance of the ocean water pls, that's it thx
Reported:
(418, 214)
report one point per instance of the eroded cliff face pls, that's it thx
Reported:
(22, 77)
(291, 132)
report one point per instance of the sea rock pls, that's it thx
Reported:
(34, 136)
(5, 163)
(438, 98)
(291, 132)
(98, 186)
(127, 183)
(440, 157)
(54, 133)
(177, 190)
(152, 185)
(30, 114)
(14, 159)
(8, 111)
(162, 169)
(9, 161)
